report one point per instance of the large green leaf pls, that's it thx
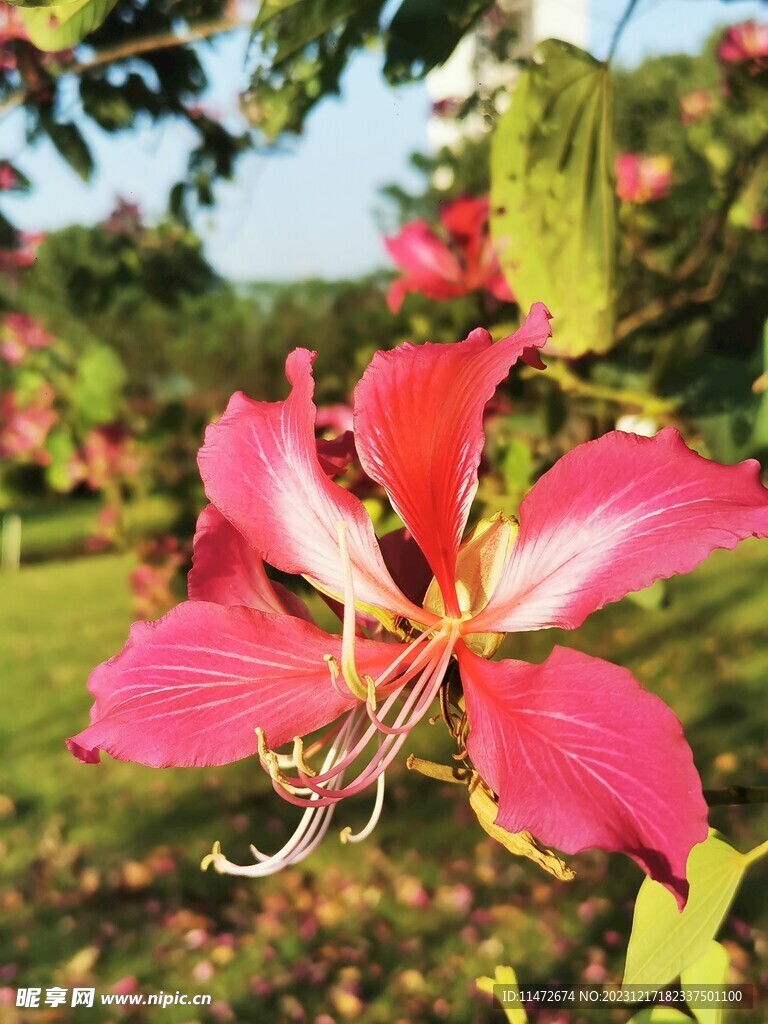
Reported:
(553, 203)
(59, 25)
(664, 941)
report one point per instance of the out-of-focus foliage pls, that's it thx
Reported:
(553, 203)
(140, 63)
(304, 46)
(180, 330)
(57, 26)
(692, 265)
(424, 33)
(143, 61)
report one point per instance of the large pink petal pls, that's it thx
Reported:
(612, 516)
(260, 468)
(226, 570)
(419, 431)
(191, 688)
(582, 756)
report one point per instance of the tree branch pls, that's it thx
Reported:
(736, 795)
(570, 383)
(620, 28)
(658, 308)
(133, 48)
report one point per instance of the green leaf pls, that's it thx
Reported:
(553, 203)
(27, 5)
(652, 598)
(305, 46)
(504, 976)
(660, 1015)
(664, 942)
(517, 468)
(71, 145)
(58, 26)
(97, 388)
(710, 969)
(424, 33)
(61, 448)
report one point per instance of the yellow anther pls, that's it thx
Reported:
(215, 857)
(298, 757)
(270, 762)
(344, 835)
(371, 692)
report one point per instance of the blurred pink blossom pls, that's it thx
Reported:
(125, 986)
(459, 262)
(11, 25)
(25, 253)
(124, 220)
(108, 452)
(745, 44)
(24, 428)
(695, 106)
(152, 580)
(18, 334)
(107, 522)
(642, 179)
(8, 177)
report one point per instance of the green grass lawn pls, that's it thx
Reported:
(61, 527)
(100, 864)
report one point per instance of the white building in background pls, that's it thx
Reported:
(476, 66)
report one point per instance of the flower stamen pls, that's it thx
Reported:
(349, 671)
(347, 836)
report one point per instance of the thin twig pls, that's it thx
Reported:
(151, 43)
(659, 308)
(736, 795)
(620, 28)
(133, 48)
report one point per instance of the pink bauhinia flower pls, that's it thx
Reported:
(19, 334)
(24, 426)
(463, 262)
(575, 751)
(695, 106)
(745, 44)
(23, 255)
(642, 179)
(8, 176)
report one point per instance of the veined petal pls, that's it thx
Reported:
(260, 468)
(226, 570)
(419, 430)
(191, 688)
(612, 516)
(581, 756)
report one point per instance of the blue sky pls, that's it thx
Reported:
(309, 207)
